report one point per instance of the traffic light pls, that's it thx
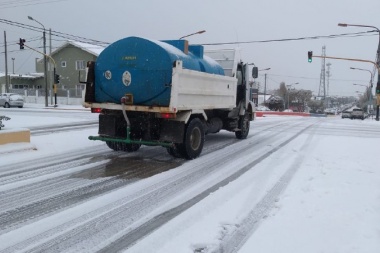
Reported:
(378, 88)
(310, 56)
(56, 79)
(22, 41)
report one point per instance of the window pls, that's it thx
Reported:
(63, 64)
(20, 86)
(80, 65)
(80, 86)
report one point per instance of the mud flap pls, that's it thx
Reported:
(172, 131)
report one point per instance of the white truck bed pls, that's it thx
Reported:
(191, 90)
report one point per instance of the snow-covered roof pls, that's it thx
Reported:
(90, 48)
(24, 76)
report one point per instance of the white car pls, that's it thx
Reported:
(11, 100)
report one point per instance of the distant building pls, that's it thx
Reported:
(22, 81)
(71, 59)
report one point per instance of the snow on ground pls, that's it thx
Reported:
(331, 204)
(46, 144)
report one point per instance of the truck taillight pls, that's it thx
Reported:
(96, 110)
(168, 115)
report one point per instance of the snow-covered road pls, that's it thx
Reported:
(295, 185)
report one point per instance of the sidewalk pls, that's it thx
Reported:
(24, 118)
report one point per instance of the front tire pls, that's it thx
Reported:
(7, 105)
(194, 139)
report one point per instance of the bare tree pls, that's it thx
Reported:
(299, 98)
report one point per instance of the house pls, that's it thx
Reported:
(22, 81)
(70, 63)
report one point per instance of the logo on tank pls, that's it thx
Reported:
(127, 78)
(108, 74)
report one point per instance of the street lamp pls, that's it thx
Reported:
(45, 60)
(364, 93)
(370, 86)
(377, 60)
(265, 83)
(287, 90)
(199, 32)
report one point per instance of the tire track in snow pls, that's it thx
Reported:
(131, 237)
(124, 212)
(66, 196)
(235, 239)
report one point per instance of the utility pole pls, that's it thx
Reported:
(265, 86)
(328, 74)
(322, 80)
(45, 60)
(6, 63)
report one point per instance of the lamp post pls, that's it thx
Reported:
(45, 60)
(377, 62)
(370, 86)
(287, 90)
(265, 83)
(363, 93)
(199, 32)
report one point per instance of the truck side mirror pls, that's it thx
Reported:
(255, 72)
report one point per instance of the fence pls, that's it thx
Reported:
(37, 96)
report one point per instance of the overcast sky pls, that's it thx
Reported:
(224, 21)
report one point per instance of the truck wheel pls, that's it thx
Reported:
(120, 146)
(6, 105)
(175, 151)
(112, 145)
(244, 125)
(194, 140)
(128, 147)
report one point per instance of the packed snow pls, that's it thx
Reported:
(331, 203)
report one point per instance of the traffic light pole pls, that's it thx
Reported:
(377, 65)
(55, 87)
(47, 56)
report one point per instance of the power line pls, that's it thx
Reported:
(332, 36)
(20, 3)
(56, 33)
(315, 78)
(102, 43)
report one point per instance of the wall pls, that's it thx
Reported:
(60, 100)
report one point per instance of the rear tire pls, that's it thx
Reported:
(193, 141)
(7, 105)
(120, 146)
(131, 147)
(175, 151)
(243, 125)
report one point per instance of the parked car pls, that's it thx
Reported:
(11, 100)
(346, 114)
(357, 113)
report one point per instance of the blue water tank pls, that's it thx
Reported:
(143, 68)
